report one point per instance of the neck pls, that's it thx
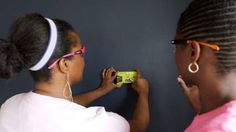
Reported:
(217, 92)
(54, 89)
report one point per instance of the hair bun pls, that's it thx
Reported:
(11, 60)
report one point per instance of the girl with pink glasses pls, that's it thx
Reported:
(52, 51)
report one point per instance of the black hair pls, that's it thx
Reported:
(213, 21)
(27, 42)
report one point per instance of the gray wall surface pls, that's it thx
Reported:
(125, 34)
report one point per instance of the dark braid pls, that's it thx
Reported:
(213, 21)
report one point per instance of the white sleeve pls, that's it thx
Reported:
(103, 121)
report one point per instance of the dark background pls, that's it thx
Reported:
(125, 34)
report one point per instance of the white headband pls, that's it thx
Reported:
(51, 46)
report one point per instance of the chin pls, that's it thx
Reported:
(80, 78)
(76, 81)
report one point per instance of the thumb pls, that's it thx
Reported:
(114, 76)
(183, 85)
(118, 85)
(138, 73)
(133, 85)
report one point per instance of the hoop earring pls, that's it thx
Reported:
(191, 65)
(67, 85)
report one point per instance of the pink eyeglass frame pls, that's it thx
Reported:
(81, 52)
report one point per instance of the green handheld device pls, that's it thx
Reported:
(125, 77)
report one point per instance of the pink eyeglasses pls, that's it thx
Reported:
(78, 52)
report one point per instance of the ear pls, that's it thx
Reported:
(195, 51)
(63, 65)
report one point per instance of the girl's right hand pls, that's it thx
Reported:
(141, 85)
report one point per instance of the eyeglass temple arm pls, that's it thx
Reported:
(213, 46)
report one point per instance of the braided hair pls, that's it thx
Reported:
(213, 21)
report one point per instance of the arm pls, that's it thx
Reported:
(107, 85)
(86, 98)
(141, 116)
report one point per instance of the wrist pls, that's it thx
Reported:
(102, 90)
(143, 94)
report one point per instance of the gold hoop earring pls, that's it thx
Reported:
(191, 65)
(67, 85)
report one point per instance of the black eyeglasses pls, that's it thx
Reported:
(182, 41)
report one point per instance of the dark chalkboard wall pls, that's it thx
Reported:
(125, 34)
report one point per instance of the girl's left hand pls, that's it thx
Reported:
(108, 76)
(192, 94)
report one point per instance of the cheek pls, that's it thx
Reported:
(81, 66)
(78, 69)
(177, 59)
(180, 62)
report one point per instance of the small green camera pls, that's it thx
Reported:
(125, 77)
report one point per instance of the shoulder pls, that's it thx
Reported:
(101, 113)
(14, 100)
(10, 106)
(219, 120)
